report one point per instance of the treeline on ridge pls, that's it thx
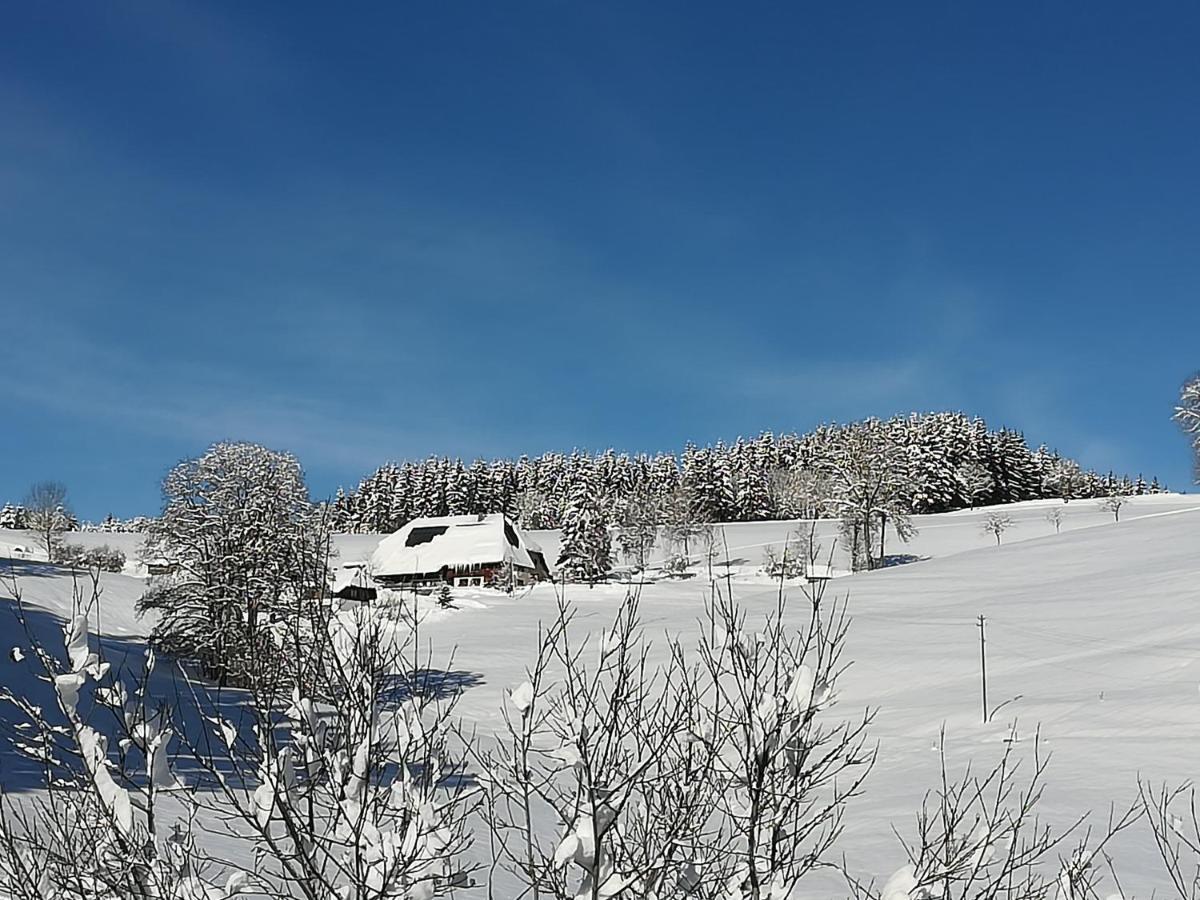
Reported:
(940, 462)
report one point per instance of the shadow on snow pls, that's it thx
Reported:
(174, 690)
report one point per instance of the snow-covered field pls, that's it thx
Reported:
(1093, 629)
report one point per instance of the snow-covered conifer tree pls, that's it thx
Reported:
(1012, 466)
(12, 517)
(400, 506)
(481, 490)
(459, 496)
(586, 553)
(940, 456)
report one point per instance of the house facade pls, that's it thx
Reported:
(462, 551)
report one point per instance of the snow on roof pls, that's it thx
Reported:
(426, 545)
(817, 571)
(351, 574)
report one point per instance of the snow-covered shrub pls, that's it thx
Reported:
(979, 835)
(716, 777)
(104, 558)
(343, 781)
(97, 832)
(793, 560)
(783, 768)
(594, 743)
(676, 565)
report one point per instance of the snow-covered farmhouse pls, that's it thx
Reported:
(465, 551)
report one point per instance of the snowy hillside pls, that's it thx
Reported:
(1094, 629)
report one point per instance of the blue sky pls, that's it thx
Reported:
(486, 229)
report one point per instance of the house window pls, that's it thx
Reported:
(463, 582)
(476, 582)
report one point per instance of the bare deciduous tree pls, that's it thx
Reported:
(1055, 517)
(47, 513)
(248, 551)
(870, 486)
(798, 493)
(637, 533)
(996, 523)
(977, 482)
(1187, 414)
(683, 523)
(1113, 504)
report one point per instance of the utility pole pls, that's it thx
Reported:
(983, 667)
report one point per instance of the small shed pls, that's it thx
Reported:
(351, 582)
(464, 551)
(818, 572)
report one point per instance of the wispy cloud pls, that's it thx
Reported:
(204, 403)
(838, 384)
